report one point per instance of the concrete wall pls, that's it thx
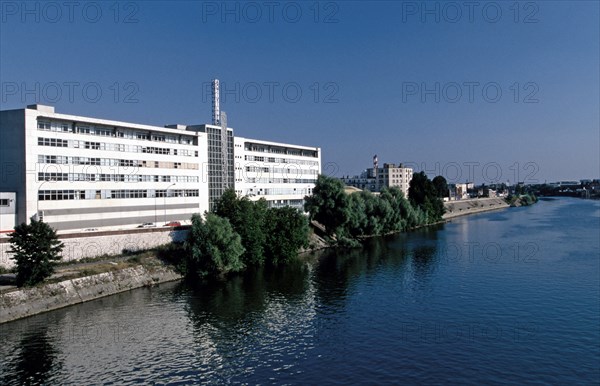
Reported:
(477, 205)
(112, 244)
(31, 301)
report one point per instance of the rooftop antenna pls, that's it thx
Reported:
(216, 109)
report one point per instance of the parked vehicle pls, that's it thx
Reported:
(147, 225)
(173, 224)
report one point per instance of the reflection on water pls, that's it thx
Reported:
(35, 361)
(424, 307)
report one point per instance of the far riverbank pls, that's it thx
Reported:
(472, 206)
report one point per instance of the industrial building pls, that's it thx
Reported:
(282, 174)
(79, 173)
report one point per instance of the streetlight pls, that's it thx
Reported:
(37, 207)
(165, 200)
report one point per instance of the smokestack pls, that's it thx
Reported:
(216, 110)
(375, 165)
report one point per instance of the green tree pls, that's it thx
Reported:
(248, 219)
(287, 233)
(328, 204)
(35, 249)
(378, 213)
(357, 215)
(214, 248)
(422, 194)
(397, 219)
(441, 186)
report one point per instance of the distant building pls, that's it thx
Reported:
(460, 191)
(376, 178)
(489, 192)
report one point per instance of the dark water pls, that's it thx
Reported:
(510, 297)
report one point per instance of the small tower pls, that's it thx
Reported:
(375, 166)
(216, 109)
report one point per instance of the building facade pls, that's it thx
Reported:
(282, 174)
(76, 172)
(79, 173)
(376, 178)
(218, 170)
(8, 211)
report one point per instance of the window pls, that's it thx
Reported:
(82, 130)
(103, 132)
(4, 202)
(54, 142)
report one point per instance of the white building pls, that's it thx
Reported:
(280, 173)
(376, 178)
(77, 172)
(8, 211)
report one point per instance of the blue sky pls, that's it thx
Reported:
(500, 91)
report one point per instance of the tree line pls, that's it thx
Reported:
(350, 217)
(239, 233)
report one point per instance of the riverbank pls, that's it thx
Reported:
(24, 302)
(473, 206)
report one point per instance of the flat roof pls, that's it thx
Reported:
(277, 144)
(107, 122)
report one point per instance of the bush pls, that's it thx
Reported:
(35, 249)
(213, 247)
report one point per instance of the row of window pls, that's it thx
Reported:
(44, 176)
(279, 191)
(278, 180)
(280, 160)
(280, 150)
(54, 142)
(60, 195)
(57, 142)
(256, 169)
(112, 132)
(68, 160)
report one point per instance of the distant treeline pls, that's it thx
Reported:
(349, 217)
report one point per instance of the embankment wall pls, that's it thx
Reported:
(31, 301)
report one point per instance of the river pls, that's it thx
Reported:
(506, 297)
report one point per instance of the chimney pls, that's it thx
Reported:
(375, 165)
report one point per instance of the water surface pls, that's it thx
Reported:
(508, 297)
